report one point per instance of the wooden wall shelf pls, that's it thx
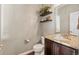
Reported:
(46, 13)
(45, 21)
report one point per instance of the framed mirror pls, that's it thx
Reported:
(74, 23)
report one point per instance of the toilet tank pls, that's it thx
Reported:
(42, 39)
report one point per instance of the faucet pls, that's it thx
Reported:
(67, 36)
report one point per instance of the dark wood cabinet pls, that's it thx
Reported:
(48, 47)
(54, 48)
(66, 50)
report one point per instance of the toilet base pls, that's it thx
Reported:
(39, 53)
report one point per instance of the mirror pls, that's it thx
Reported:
(74, 23)
(69, 19)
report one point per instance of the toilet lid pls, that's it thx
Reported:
(38, 46)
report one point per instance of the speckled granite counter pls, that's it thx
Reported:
(70, 41)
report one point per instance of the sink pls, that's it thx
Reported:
(63, 41)
(67, 40)
(58, 37)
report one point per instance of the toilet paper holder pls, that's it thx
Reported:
(26, 41)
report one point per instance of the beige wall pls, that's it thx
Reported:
(64, 13)
(20, 22)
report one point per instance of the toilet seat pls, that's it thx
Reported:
(38, 47)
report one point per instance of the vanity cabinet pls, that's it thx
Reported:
(54, 48)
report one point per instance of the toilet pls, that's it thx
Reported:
(39, 48)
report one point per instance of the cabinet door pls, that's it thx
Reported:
(55, 48)
(47, 47)
(66, 51)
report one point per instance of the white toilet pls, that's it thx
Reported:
(39, 48)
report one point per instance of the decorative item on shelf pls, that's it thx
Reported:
(45, 11)
(45, 21)
(48, 18)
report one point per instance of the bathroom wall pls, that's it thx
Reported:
(0, 21)
(64, 13)
(20, 23)
(49, 27)
(0, 30)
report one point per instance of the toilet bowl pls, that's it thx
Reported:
(39, 48)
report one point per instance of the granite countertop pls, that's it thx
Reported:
(70, 41)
